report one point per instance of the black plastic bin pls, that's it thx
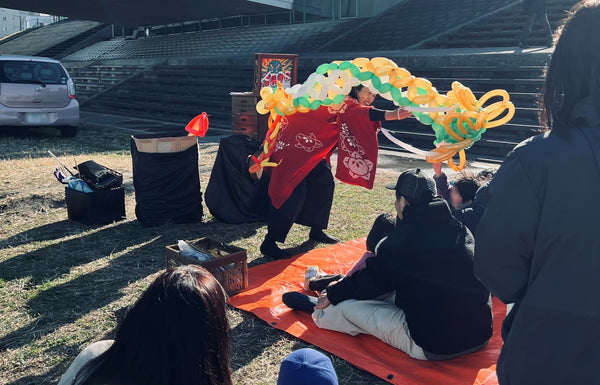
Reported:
(166, 179)
(96, 208)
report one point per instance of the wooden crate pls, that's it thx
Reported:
(244, 118)
(230, 269)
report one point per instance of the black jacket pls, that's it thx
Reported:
(538, 245)
(428, 261)
(470, 215)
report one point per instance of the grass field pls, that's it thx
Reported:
(64, 285)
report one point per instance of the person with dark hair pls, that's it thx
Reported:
(538, 241)
(419, 293)
(301, 186)
(465, 196)
(175, 334)
(536, 11)
(307, 367)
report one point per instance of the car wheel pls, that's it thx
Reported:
(68, 131)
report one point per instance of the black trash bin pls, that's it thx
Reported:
(232, 195)
(166, 179)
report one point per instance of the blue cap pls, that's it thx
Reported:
(307, 367)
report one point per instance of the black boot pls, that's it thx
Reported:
(299, 301)
(270, 249)
(319, 235)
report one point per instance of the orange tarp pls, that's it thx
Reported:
(269, 281)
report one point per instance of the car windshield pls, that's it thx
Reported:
(32, 72)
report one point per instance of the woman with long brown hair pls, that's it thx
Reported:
(175, 334)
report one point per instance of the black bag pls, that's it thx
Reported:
(99, 177)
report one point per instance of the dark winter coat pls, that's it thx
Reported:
(538, 245)
(470, 215)
(428, 261)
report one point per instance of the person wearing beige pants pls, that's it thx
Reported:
(378, 317)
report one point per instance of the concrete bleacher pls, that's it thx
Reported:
(177, 93)
(42, 41)
(502, 29)
(411, 22)
(92, 79)
(288, 38)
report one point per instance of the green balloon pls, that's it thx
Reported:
(322, 68)
(376, 81)
(385, 87)
(345, 65)
(333, 66)
(354, 70)
(315, 104)
(327, 101)
(338, 99)
(366, 75)
(397, 95)
(421, 91)
(425, 119)
(404, 101)
(438, 129)
(304, 102)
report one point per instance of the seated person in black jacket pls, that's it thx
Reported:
(419, 293)
(466, 197)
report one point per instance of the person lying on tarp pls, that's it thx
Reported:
(418, 293)
(301, 186)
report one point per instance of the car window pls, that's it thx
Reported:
(31, 71)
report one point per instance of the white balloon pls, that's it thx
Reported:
(336, 90)
(386, 95)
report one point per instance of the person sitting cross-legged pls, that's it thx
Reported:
(418, 293)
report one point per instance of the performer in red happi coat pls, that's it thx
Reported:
(301, 186)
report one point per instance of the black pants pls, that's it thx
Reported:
(531, 19)
(309, 204)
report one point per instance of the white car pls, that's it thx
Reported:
(37, 91)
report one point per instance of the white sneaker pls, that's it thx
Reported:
(312, 272)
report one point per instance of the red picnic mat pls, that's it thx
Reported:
(267, 282)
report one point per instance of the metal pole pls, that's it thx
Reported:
(304, 11)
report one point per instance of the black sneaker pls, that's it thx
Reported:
(299, 301)
(321, 283)
(320, 236)
(270, 249)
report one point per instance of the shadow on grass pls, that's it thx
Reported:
(66, 302)
(97, 242)
(34, 142)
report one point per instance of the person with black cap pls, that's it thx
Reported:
(418, 293)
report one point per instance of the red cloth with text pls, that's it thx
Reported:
(307, 138)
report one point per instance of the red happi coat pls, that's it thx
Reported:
(307, 138)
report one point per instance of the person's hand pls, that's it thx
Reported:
(437, 168)
(401, 113)
(323, 301)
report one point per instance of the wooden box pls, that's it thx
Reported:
(230, 268)
(244, 118)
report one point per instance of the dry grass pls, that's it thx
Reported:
(64, 285)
